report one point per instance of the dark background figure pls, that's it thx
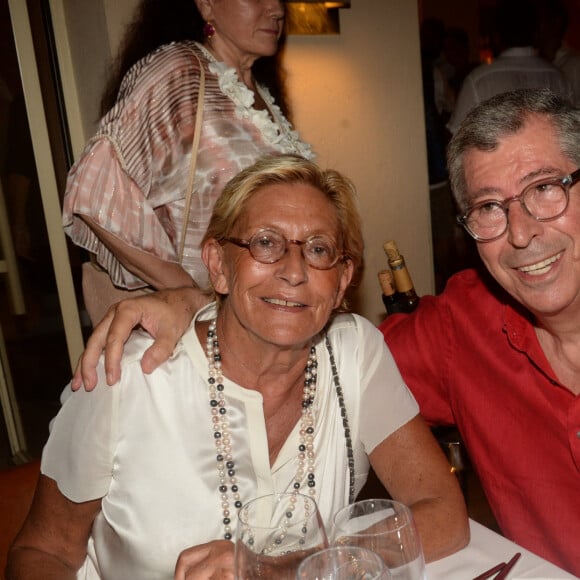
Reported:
(553, 24)
(452, 250)
(516, 66)
(25, 210)
(456, 59)
(432, 37)
(22, 189)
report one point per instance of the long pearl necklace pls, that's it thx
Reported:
(226, 466)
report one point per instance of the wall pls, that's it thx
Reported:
(118, 16)
(357, 98)
(87, 44)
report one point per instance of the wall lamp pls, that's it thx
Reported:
(313, 16)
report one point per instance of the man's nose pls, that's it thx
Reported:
(522, 227)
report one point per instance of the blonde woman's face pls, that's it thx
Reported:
(288, 302)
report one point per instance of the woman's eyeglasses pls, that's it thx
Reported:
(269, 246)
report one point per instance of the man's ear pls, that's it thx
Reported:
(212, 255)
(205, 8)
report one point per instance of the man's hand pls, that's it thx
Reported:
(165, 315)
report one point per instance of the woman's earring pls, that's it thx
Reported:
(208, 30)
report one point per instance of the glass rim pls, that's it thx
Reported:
(366, 553)
(279, 496)
(404, 515)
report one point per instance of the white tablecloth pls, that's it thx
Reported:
(486, 549)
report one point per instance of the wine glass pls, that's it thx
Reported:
(386, 527)
(275, 533)
(343, 563)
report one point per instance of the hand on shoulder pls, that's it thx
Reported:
(165, 315)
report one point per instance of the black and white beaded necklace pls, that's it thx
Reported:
(226, 467)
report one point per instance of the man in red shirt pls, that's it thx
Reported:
(497, 353)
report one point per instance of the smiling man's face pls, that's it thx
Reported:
(538, 263)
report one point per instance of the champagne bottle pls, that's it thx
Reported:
(406, 291)
(390, 298)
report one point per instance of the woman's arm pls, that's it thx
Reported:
(158, 273)
(414, 470)
(52, 543)
(165, 315)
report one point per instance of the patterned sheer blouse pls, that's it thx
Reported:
(132, 176)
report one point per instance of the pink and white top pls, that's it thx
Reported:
(132, 176)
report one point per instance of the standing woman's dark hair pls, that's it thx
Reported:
(159, 22)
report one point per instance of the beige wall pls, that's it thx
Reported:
(357, 98)
(118, 16)
(82, 43)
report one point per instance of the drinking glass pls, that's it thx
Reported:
(387, 528)
(343, 563)
(275, 533)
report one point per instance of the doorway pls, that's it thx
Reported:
(40, 330)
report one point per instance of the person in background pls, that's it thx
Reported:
(552, 28)
(456, 58)
(436, 138)
(432, 33)
(517, 65)
(6, 98)
(437, 91)
(496, 353)
(441, 60)
(303, 398)
(23, 192)
(124, 200)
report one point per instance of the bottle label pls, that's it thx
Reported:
(402, 278)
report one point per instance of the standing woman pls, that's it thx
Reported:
(126, 196)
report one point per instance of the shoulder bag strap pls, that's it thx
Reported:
(194, 148)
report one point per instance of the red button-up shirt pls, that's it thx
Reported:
(472, 358)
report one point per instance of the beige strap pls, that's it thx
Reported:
(194, 148)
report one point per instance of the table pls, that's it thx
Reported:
(486, 549)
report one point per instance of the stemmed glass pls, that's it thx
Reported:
(275, 533)
(387, 528)
(343, 563)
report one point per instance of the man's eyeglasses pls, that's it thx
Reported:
(269, 246)
(544, 200)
